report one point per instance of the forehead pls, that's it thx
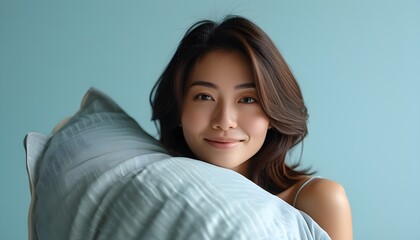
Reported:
(222, 65)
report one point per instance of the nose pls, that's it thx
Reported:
(224, 117)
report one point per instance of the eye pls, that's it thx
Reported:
(203, 97)
(247, 100)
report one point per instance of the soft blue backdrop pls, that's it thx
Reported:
(358, 63)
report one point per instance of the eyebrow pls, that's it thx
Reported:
(211, 85)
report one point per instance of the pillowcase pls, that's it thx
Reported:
(34, 144)
(101, 176)
(98, 115)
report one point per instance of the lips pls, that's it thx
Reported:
(223, 143)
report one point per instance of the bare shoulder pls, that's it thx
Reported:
(327, 203)
(322, 191)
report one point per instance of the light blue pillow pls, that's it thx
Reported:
(95, 106)
(101, 176)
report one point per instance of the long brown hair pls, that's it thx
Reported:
(278, 91)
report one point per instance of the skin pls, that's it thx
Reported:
(326, 202)
(224, 124)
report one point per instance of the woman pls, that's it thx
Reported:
(227, 97)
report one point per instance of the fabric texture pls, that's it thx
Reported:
(101, 176)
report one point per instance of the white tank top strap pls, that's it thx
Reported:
(302, 186)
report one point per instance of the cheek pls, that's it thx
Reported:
(258, 131)
(256, 126)
(194, 118)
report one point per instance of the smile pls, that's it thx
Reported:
(223, 143)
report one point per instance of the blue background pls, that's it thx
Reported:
(358, 63)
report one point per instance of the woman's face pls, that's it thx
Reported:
(222, 120)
